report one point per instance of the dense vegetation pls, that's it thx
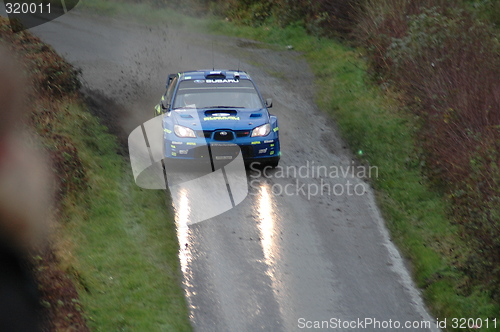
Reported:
(446, 62)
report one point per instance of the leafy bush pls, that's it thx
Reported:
(487, 9)
(246, 12)
(446, 63)
(321, 17)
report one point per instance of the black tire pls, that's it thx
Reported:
(273, 162)
(258, 164)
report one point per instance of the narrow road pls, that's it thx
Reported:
(285, 258)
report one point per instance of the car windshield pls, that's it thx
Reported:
(210, 94)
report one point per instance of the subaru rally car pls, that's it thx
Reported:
(213, 114)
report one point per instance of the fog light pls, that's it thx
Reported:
(263, 150)
(183, 151)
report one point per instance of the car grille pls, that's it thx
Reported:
(223, 135)
(208, 134)
(242, 133)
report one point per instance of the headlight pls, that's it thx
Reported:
(261, 130)
(182, 131)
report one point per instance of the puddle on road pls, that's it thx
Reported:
(267, 224)
(182, 215)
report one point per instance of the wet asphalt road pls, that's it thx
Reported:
(279, 260)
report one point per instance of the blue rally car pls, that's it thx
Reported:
(215, 114)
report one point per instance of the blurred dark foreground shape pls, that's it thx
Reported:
(25, 201)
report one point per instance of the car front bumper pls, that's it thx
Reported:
(251, 148)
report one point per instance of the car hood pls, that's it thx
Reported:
(212, 119)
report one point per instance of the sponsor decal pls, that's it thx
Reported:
(221, 118)
(222, 81)
(223, 144)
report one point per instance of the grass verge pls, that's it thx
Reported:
(122, 239)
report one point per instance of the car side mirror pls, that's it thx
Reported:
(269, 102)
(170, 78)
(164, 105)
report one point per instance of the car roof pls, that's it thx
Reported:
(213, 74)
